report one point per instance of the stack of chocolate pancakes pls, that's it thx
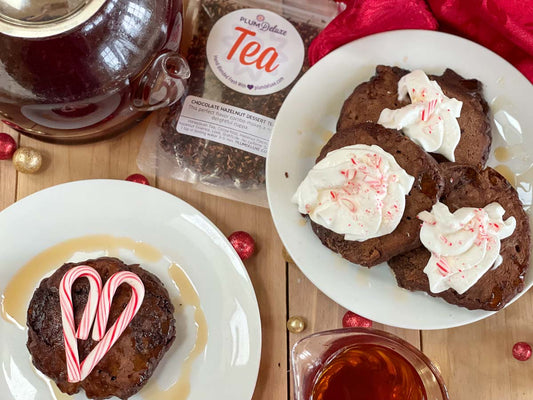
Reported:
(464, 183)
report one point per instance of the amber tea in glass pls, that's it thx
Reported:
(362, 364)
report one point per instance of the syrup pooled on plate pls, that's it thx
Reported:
(368, 372)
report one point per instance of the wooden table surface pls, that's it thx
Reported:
(475, 360)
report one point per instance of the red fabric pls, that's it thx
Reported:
(504, 26)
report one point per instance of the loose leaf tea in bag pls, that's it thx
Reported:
(245, 56)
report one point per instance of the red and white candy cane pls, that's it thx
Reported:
(67, 314)
(111, 336)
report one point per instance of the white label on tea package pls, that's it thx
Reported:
(222, 123)
(255, 51)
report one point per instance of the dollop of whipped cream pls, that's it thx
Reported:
(358, 191)
(463, 245)
(430, 120)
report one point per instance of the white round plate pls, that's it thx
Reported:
(308, 118)
(228, 367)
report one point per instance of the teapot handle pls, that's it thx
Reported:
(162, 84)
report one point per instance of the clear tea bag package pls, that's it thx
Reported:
(245, 56)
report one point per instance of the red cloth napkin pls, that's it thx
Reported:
(504, 26)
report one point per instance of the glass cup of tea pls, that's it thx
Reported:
(360, 363)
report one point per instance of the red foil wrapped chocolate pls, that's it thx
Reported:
(7, 146)
(243, 244)
(352, 320)
(138, 178)
(522, 351)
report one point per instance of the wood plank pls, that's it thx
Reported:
(476, 360)
(110, 159)
(267, 272)
(266, 269)
(8, 174)
(322, 313)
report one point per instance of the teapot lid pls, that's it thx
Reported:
(42, 18)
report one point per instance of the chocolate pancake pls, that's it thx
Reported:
(427, 188)
(381, 91)
(467, 186)
(131, 361)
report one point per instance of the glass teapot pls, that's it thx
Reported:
(81, 70)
